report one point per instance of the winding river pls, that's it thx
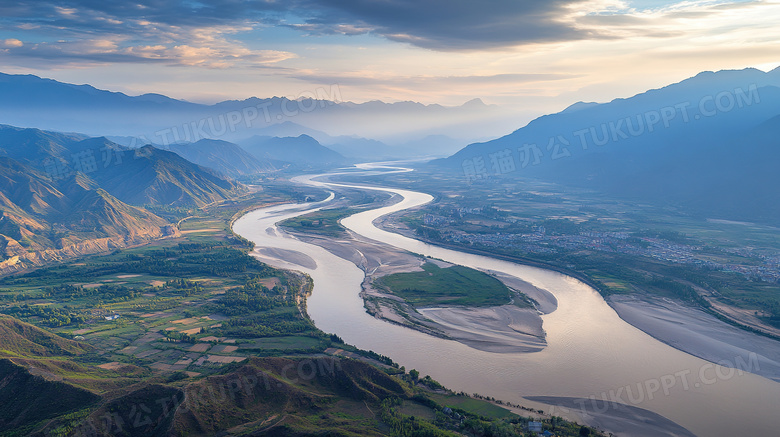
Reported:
(591, 352)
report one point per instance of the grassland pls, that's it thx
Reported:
(323, 222)
(477, 406)
(455, 285)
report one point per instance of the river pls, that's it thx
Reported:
(591, 351)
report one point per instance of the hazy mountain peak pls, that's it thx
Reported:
(209, 141)
(474, 103)
(301, 150)
(157, 98)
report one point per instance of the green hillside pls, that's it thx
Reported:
(20, 339)
(28, 400)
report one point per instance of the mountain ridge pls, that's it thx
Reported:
(223, 156)
(684, 131)
(301, 151)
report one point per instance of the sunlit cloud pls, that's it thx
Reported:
(12, 42)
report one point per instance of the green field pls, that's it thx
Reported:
(456, 285)
(180, 302)
(475, 406)
(324, 222)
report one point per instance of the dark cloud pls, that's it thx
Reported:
(456, 24)
(434, 24)
(85, 13)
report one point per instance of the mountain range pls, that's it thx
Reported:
(701, 145)
(698, 145)
(254, 155)
(27, 100)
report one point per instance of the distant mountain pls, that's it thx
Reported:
(27, 100)
(290, 129)
(432, 145)
(364, 148)
(303, 151)
(33, 145)
(579, 106)
(26, 91)
(222, 156)
(349, 146)
(701, 144)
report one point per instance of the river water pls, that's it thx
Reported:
(591, 351)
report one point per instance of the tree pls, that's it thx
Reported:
(414, 374)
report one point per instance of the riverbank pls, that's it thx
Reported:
(632, 421)
(700, 334)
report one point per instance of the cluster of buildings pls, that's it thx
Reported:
(757, 266)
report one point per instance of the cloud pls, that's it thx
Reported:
(369, 78)
(453, 24)
(690, 20)
(86, 32)
(194, 30)
(171, 32)
(115, 50)
(435, 24)
(12, 42)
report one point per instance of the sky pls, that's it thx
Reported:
(535, 55)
